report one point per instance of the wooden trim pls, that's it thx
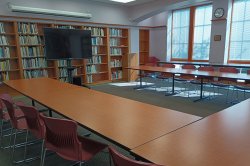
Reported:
(238, 62)
(220, 19)
(191, 33)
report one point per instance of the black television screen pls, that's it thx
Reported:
(67, 44)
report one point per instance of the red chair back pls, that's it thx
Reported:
(61, 137)
(9, 104)
(229, 70)
(206, 68)
(188, 67)
(248, 71)
(34, 122)
(120, 160)
(1, 109)
(168, 65)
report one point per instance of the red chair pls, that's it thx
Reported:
(61, 137)
(17, 120)
(242, 86)
(35, 125)
(120, 160)
(166, 76)
(225, 82)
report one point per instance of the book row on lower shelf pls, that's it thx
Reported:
(95, 31)
(3, 40)
(116, 63)
(97, 41)
(116, 75)
(5, 65)
(2, 30)
(4, 52)
(90, 69)
(95, 60)
(4, 76)
(30, 40)
(115, 32)
(62, 63)
(115, 51)
(32, 51)
(34, 63)
(35, 73)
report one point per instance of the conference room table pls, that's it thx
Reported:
(201, 74)
(221, 139)
(122, 121)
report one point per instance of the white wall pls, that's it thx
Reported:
(102, 12)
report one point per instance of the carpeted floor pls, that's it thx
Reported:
(183, 104)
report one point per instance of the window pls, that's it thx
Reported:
(191, 32)
(239, 49)
(180, 34)
(202, 33)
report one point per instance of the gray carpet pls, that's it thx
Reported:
(203, 108)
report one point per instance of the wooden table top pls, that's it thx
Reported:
(126, 122)
(218, 74)
(222, 139)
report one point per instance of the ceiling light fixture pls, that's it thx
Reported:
(24, 9)
(123, 1)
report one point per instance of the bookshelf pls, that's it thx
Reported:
(144, 45)
(22, 52)
(31, 43)
(9, 61)
(118, 42)
(97, 69)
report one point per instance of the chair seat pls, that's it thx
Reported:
(163, 77)
(222, 83)
(243, 87)
(22, 124)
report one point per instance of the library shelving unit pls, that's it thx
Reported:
(62, 64)
(9, 60)
(144, 45)
(31, 43)
(97, 69)
(118, 42)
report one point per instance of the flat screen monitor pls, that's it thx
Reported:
(67, 44)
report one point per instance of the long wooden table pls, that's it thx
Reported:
(222, 139)
(125, 122)
(202, 74)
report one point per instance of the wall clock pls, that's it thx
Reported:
(219, 12)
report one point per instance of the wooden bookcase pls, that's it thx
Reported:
(144, 45)
(9, 59)
(97, 69)
(31, 44)
(119, 49)
(22, 52)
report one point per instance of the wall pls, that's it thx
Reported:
(102, 12)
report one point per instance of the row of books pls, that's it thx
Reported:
(115, 32)
(63, 72)
(95, 31)
(95, 50)
(116, 63)
(4, 76)
(62, 63)
(3, 40)
(32, 51)
(64, 79)
(115, 51)
(30, 40)
(4, 52)
(35, 73)
(116, 75)
(34, 63)
(5, 66)
(89, 79)
(95, 60)
(2, 30)
(114, 42)
(65, 26)
(27, 28)
(97, 41)
(91, 69)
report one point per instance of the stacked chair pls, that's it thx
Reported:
(166, 76)
(206, 81)
(185, 79)
(242, 86)
(225, 83)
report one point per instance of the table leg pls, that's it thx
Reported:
(173, 92)
(33, 103)
(50, 113)
(201, 91)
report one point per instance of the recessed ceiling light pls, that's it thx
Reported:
(123, 1)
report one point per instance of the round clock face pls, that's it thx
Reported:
(218, 13)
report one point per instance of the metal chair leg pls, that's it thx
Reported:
(13, 146)
(43, 155)
(25, 147)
